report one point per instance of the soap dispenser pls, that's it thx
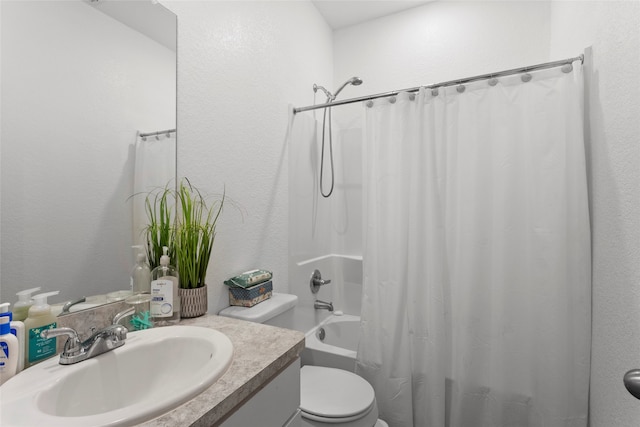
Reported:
(165, 300)
(16, 327)
(39, 319)
(141, 274)
(21, 308)
(8, 351)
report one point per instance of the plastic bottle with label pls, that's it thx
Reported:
(165, 299)
(8, 351)
(40, 318)
(16, 327)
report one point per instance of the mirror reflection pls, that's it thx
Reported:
(80, 81)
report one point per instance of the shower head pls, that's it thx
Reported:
(326, 92)
(356, 81)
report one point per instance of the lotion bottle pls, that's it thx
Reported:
(40, 318)
(16, 327)
(21, 308)
(165, 300)
(8, 351)
(141, 274)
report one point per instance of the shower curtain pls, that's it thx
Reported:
(477, 288)
(155, 167)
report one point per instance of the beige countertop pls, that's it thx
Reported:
(259, 353)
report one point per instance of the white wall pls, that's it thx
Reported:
(441, 41)
(239, 66)
(76, 86)
(613, 145)
(445, 40)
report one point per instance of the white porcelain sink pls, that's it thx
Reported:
(155, 371)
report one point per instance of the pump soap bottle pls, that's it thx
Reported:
(8, 351)
(40, 318)
(21, 308)
(16, 327)
(141, 274)
(165, 300)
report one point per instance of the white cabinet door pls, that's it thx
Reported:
(275, 405)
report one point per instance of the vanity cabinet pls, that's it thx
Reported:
(274, 405)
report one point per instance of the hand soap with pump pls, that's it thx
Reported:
(39, 319)
(16, 327)
(165, 300)
(8, 351)
(21, 308)
(141, 274)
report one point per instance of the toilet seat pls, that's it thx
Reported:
(334, 395)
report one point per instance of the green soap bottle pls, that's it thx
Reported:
(21, 308)
(39, 319)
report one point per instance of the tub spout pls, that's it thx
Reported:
(321, 305)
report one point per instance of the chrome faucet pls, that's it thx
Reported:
(124, 313)
(68, 305)
(321, 305)
(107, 339)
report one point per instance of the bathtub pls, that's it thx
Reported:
(333, 343)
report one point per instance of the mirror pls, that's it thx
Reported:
(80, 79)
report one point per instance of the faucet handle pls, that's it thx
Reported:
(73, 342)
(316, 281)
(119, 332)
(69, 304)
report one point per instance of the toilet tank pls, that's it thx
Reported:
(276, 311)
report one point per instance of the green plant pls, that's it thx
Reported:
(160, 209)
(195, 232)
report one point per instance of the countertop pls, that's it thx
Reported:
(259, 353)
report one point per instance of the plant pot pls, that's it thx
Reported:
(193, 302)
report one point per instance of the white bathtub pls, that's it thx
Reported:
(338, 347)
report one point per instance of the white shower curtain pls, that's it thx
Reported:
(476, 300)
(155, 167)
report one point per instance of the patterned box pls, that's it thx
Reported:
(248, 297)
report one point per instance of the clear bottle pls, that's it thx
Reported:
(40, 318)
(165, 300)
(141, 274)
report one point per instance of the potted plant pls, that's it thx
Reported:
(194, 234)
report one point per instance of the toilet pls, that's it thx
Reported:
(328, 396)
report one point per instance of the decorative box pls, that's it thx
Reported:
(248, 297)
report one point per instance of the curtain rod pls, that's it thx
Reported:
(443, 84)
(160, 132)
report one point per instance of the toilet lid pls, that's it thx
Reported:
(333, 393)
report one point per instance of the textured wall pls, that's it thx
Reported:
(239, 66)
(613, 101)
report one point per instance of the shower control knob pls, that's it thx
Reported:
(316, 281)
(632, 382)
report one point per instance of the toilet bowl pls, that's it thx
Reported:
(338, 397)
(328, 396)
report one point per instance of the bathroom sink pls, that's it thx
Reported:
(156, 370)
